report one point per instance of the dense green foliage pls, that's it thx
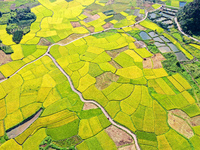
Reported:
(171, 64)
(18, 22)
(194, 69)
(6, 49)
(67, 144)
(17, 36)
(189, 17)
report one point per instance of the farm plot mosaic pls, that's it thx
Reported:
(98, 74)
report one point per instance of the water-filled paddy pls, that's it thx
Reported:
(157, 39)
(167, 22)
(180, 56)
(166, 15)
(152, 15)
(173, 47)
(164, 49)
(153, 34)
(158, 44)
(164, 38)
(144, 35)
(160, 19)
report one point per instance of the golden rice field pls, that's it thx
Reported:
(108, 68)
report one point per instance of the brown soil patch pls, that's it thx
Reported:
(75, 24)
(147, 5)
(140, 44)
(1, 76)
(71, 38)
(114, 64)
(129, 147)
(4, 58)
(157, 59)
(44, 42)
(88, 106)
(110, 2)
(86, 20)
(180, 125)
(115, 53)
(147, 63)
(119, 136)
(194, 121)
(105, 79)
(91, 29)
(140, 27)
(86, 12)
(138, 18)
(95, 17)
(107, 25)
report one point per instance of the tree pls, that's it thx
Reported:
(17, 36)
(189, 18)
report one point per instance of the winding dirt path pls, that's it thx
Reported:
(179, 28)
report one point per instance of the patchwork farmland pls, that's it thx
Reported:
(98, 74)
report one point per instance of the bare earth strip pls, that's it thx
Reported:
(21, 128)
(180, 125)
(4, 58)
(147, 63)
(119, 136)
(157, 59)
(88, 106)
(194, 121)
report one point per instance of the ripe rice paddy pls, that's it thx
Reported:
(138, 98)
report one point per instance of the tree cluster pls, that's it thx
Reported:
(18, 22)
(189, 18)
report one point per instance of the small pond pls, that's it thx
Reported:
(164, 49)
(182, 4)
(144, 35)
(173, 47)
(158, 44)
(157, 39)
(153, 34)
(164, 38)
(180, 56)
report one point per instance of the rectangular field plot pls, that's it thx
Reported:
(124, 119)
(164, 86)
(105, 141)
(177, 141)
(182, 81)
(138, 117)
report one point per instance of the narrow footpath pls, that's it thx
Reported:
(179, 28)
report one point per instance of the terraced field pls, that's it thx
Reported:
(93, 50)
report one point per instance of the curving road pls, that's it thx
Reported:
(72, 86)
(94, 102)
(179, 28)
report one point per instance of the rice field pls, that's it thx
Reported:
(135, 97)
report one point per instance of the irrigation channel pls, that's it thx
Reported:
(72, 86)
